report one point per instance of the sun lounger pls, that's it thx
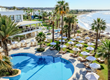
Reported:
(100, 60)
(16, 47)
(73, 55)
(23, 45)
(31, 44)
(35, 44)
(86, 65)
(64, 52)
(83, 60)
(52, 48)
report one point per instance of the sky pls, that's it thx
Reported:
(73, 4)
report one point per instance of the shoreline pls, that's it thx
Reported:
(88, 30)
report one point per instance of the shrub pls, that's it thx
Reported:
(4, 72)
(40, 49)
(78, 31)
(48, 33)
(85, 45)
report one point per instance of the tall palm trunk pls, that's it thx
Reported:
(74, 30)
(66, 33)
(96, 42)
(69, 30)
(99, 35)
(40, 45)
(57, 23)
(62, 31)
(5, 47)
(53, 33)
(72, 26)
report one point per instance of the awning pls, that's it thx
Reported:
(24, 33)
(23, 23)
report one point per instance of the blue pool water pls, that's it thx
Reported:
(58, 30)
(41, 67)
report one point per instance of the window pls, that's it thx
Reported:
(18, 17)
(12, 17)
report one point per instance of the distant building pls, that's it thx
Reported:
(2, 9)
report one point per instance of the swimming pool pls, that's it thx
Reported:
(57, 30)
(41, 67)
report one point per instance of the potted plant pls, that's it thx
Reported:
(40, 38)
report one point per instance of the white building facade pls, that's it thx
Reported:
(16, 15)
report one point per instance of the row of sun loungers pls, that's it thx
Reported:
(22, 46)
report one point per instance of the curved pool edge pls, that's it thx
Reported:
(71, 78)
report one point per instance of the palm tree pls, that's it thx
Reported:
(14, 7)
(65, 29)
(104, 51)
(57, 19)
(44, 14)
(39, 14)
(5, 62)
(52, 22)
(69, 20)
(7, 28)
(98, 25)
(75, 21)
(40, 38)
(31, 10)
(61, 8)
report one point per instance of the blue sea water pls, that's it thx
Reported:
(41, 67)
(86, 20)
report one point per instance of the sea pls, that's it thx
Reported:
(85, 20)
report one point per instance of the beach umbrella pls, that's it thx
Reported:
(81, 41)
(62, 40)
(84, 53)
(87, 37)
(23, 41)
(79, 45)
(15, 42)
(92, 76)
(89, 43)
(72, 39)
(33, 40)
(90, 48)
(78, 37)
(64, 37)
(90, 58)
(99, 40)
(52, 43)
(94, 65)
(76, 49)
(70, 42)
(62, 46)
